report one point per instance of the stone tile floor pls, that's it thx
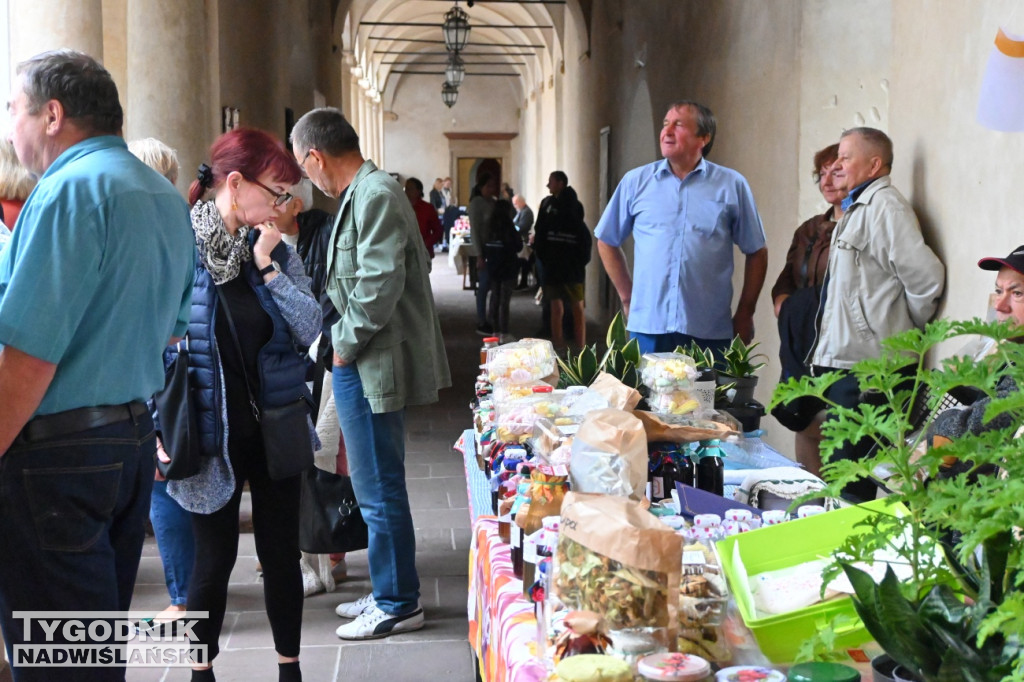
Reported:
(437, 490)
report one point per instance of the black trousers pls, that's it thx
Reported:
(846, 393)
(275, 519)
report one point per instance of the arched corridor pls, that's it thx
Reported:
(576, 85)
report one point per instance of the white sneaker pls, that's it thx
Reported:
(354, 609)
(374, 624)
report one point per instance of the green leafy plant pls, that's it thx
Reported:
(739, 359)
(579, 370)
(960, 613)
(703, 358)
(621, 359)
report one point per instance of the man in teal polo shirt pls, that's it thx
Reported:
(94, 282)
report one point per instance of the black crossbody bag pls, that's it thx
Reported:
(285, 429)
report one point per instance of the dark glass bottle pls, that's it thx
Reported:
(663, 478)
(686, 471)
(710, 469)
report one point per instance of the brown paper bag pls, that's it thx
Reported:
(618, 394)
(609, 455)
(685, 430)
(618, 560)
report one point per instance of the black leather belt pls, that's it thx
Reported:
(49, 426)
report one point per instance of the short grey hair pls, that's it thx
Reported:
(83, 87)
(706, 124)
(157, 156)
(15, 180)
(879, 142)
(303, 191)
(327, 130)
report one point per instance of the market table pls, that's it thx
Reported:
(502, 626)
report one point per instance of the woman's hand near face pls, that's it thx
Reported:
(269, 238)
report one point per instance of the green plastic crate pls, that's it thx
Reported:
(788, 544)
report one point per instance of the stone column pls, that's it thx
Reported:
(168, 80)
(40, 25)
(379, 142)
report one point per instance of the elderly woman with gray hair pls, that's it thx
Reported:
(172, 525)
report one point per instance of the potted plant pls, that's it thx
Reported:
(958, 611)
(620, 359)
(740, 365)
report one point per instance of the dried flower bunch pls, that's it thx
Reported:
(628, 597)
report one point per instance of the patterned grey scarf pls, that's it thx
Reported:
(221, 254)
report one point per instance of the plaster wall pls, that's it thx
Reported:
(266, 66)
(958, 175)
(416, 144)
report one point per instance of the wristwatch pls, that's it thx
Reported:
(269, 269)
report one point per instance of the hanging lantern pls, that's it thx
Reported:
(449, 94)
(455, 29)
(455, 72)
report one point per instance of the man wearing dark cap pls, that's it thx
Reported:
(1009, 294)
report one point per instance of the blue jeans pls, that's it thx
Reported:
(376, 463)
(72, 523)
(667, 343)
(172, 526)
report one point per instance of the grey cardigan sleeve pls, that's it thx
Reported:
(291, 292)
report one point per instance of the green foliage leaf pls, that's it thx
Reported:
(617, 335)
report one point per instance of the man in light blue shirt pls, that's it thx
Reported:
(685, 213)
(94, 282)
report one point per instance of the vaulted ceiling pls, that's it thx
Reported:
(395, 39)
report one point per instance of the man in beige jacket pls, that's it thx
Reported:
(882, 278)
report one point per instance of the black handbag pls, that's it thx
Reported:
(177, 415)
(285, 429)
(329, 516)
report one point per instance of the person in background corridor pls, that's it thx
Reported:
(523, 220)
(95, 282)
(426, 217)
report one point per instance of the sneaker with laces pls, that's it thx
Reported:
(354, 609)
(374, 624)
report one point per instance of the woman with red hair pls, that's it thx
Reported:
(251, 306)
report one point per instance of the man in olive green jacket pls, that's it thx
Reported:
(388, 353)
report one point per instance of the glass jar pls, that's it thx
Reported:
(489, 343)
(673, 667)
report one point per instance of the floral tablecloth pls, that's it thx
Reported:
(502, 627)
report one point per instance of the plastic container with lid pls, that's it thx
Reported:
(515, 420)
(593, 668)
(673, 667)
(667, 372)
(749, 673)
(522, 361)
(823, 672)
